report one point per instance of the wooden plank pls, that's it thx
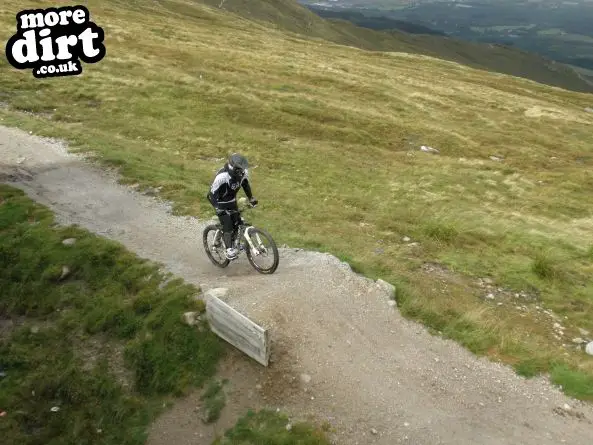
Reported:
(238, 330)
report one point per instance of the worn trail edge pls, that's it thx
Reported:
(375, 376)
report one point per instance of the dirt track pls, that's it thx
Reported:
(376, 377)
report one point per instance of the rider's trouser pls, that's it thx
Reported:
(228, 225)
(228, 221)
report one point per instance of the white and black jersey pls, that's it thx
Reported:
(224, 189)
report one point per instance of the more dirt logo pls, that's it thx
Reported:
(51, 41)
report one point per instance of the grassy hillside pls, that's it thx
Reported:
(291, 16)
(92, 342)
(334, 133)
(90, 329)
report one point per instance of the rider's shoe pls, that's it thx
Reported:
(232, 253)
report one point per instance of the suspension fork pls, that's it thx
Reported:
(248, 238)
(218, 235)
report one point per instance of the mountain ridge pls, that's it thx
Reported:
(291, 16)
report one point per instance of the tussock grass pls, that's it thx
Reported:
(214, 400)
(67, 329)
(333, 134)
(270, 428)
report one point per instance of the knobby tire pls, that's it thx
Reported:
(264, 234)
(207, 230)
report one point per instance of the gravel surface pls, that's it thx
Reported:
(339, 351)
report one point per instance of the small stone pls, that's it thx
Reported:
(428, 149)
(490, 297)
(578, 340)
(55, 409)
(151, 191)
(389, 288)
(406, 239)
(567, 407)
(305, 378)
(34, 329)
(391, 303)
(495, 158)
(589, 348)
(65, 272)
(189, 318)
(218, 292)
(406, 424)
(69, 242)
(288, 427)
(374, 431)
(258, 386)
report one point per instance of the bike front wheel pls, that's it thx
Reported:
(259, 238)
(213, 245)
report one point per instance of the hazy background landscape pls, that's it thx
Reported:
(559, 30)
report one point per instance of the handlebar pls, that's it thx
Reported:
(241, 209)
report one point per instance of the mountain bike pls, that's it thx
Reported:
(246, 238)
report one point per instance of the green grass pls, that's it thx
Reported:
(270, 428)
(214, 401)
(334, 132)
(573, 383)
(105, 343)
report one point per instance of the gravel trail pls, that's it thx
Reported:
(340, 352)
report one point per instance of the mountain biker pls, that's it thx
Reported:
(223, 192)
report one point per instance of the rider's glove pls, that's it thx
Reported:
(253, 202)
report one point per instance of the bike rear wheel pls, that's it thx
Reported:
(258, 237)
(210, 232)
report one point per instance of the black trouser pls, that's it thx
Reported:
(228, 221)
(228, 225)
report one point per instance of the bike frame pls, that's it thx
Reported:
(242, 232)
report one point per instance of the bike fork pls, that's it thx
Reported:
(251, 246)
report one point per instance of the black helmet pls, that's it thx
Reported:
(237, 164)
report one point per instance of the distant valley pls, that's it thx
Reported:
(558, 30)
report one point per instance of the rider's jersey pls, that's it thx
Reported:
(224, 189)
